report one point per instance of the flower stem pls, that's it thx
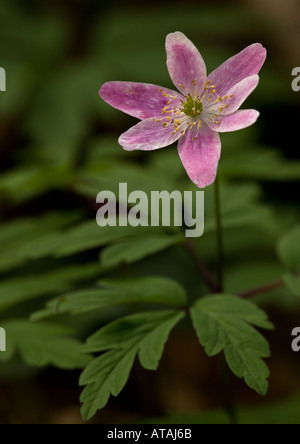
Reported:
(267, 288)
(204, 271)
(225, 372)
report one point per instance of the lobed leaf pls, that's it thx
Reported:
(145, 290)
(142, 334)
(224, 323)
(42, 344)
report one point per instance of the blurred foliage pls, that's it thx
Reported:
(285, 412)
(58, 149)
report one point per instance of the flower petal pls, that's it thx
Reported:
(148, 135)
(237, 68)
(185, 64)
(139, 100)
(200, 157)
(240, 93)
(236, 121)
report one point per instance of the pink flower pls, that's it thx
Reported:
(204, 107)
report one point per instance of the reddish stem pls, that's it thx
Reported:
(263, 289)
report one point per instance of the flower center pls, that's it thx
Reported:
(193, 106)
(194, 112)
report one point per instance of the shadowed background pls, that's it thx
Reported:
(58, 149)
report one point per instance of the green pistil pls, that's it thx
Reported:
(192, 107)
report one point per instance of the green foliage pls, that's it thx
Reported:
(31, 239)
(293, 283)
(148, 290)
(14, 291)
(41, 344)
(89, 236)
(59, 149)
(289, 249)
(284, 412)
(135, 249)
(142, 334)
(289, 253)
(27, 183)
(224, 323)
(261, 163)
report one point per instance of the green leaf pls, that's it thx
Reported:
(293, 283)
(31, 239)
(15, 233)
(41, 344)
(223, 323)
(29, 182)
(108, 176)
(157, 290)
(251, 274)
(125, 331)
(240, 207)
(65, 120)
(25, 288)
(105, 375)
(142, 334)
(244, 216)
(259, 163)
(89, 235)
(152, 346)
(148, 290)
(135, 249)
(289, 249)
